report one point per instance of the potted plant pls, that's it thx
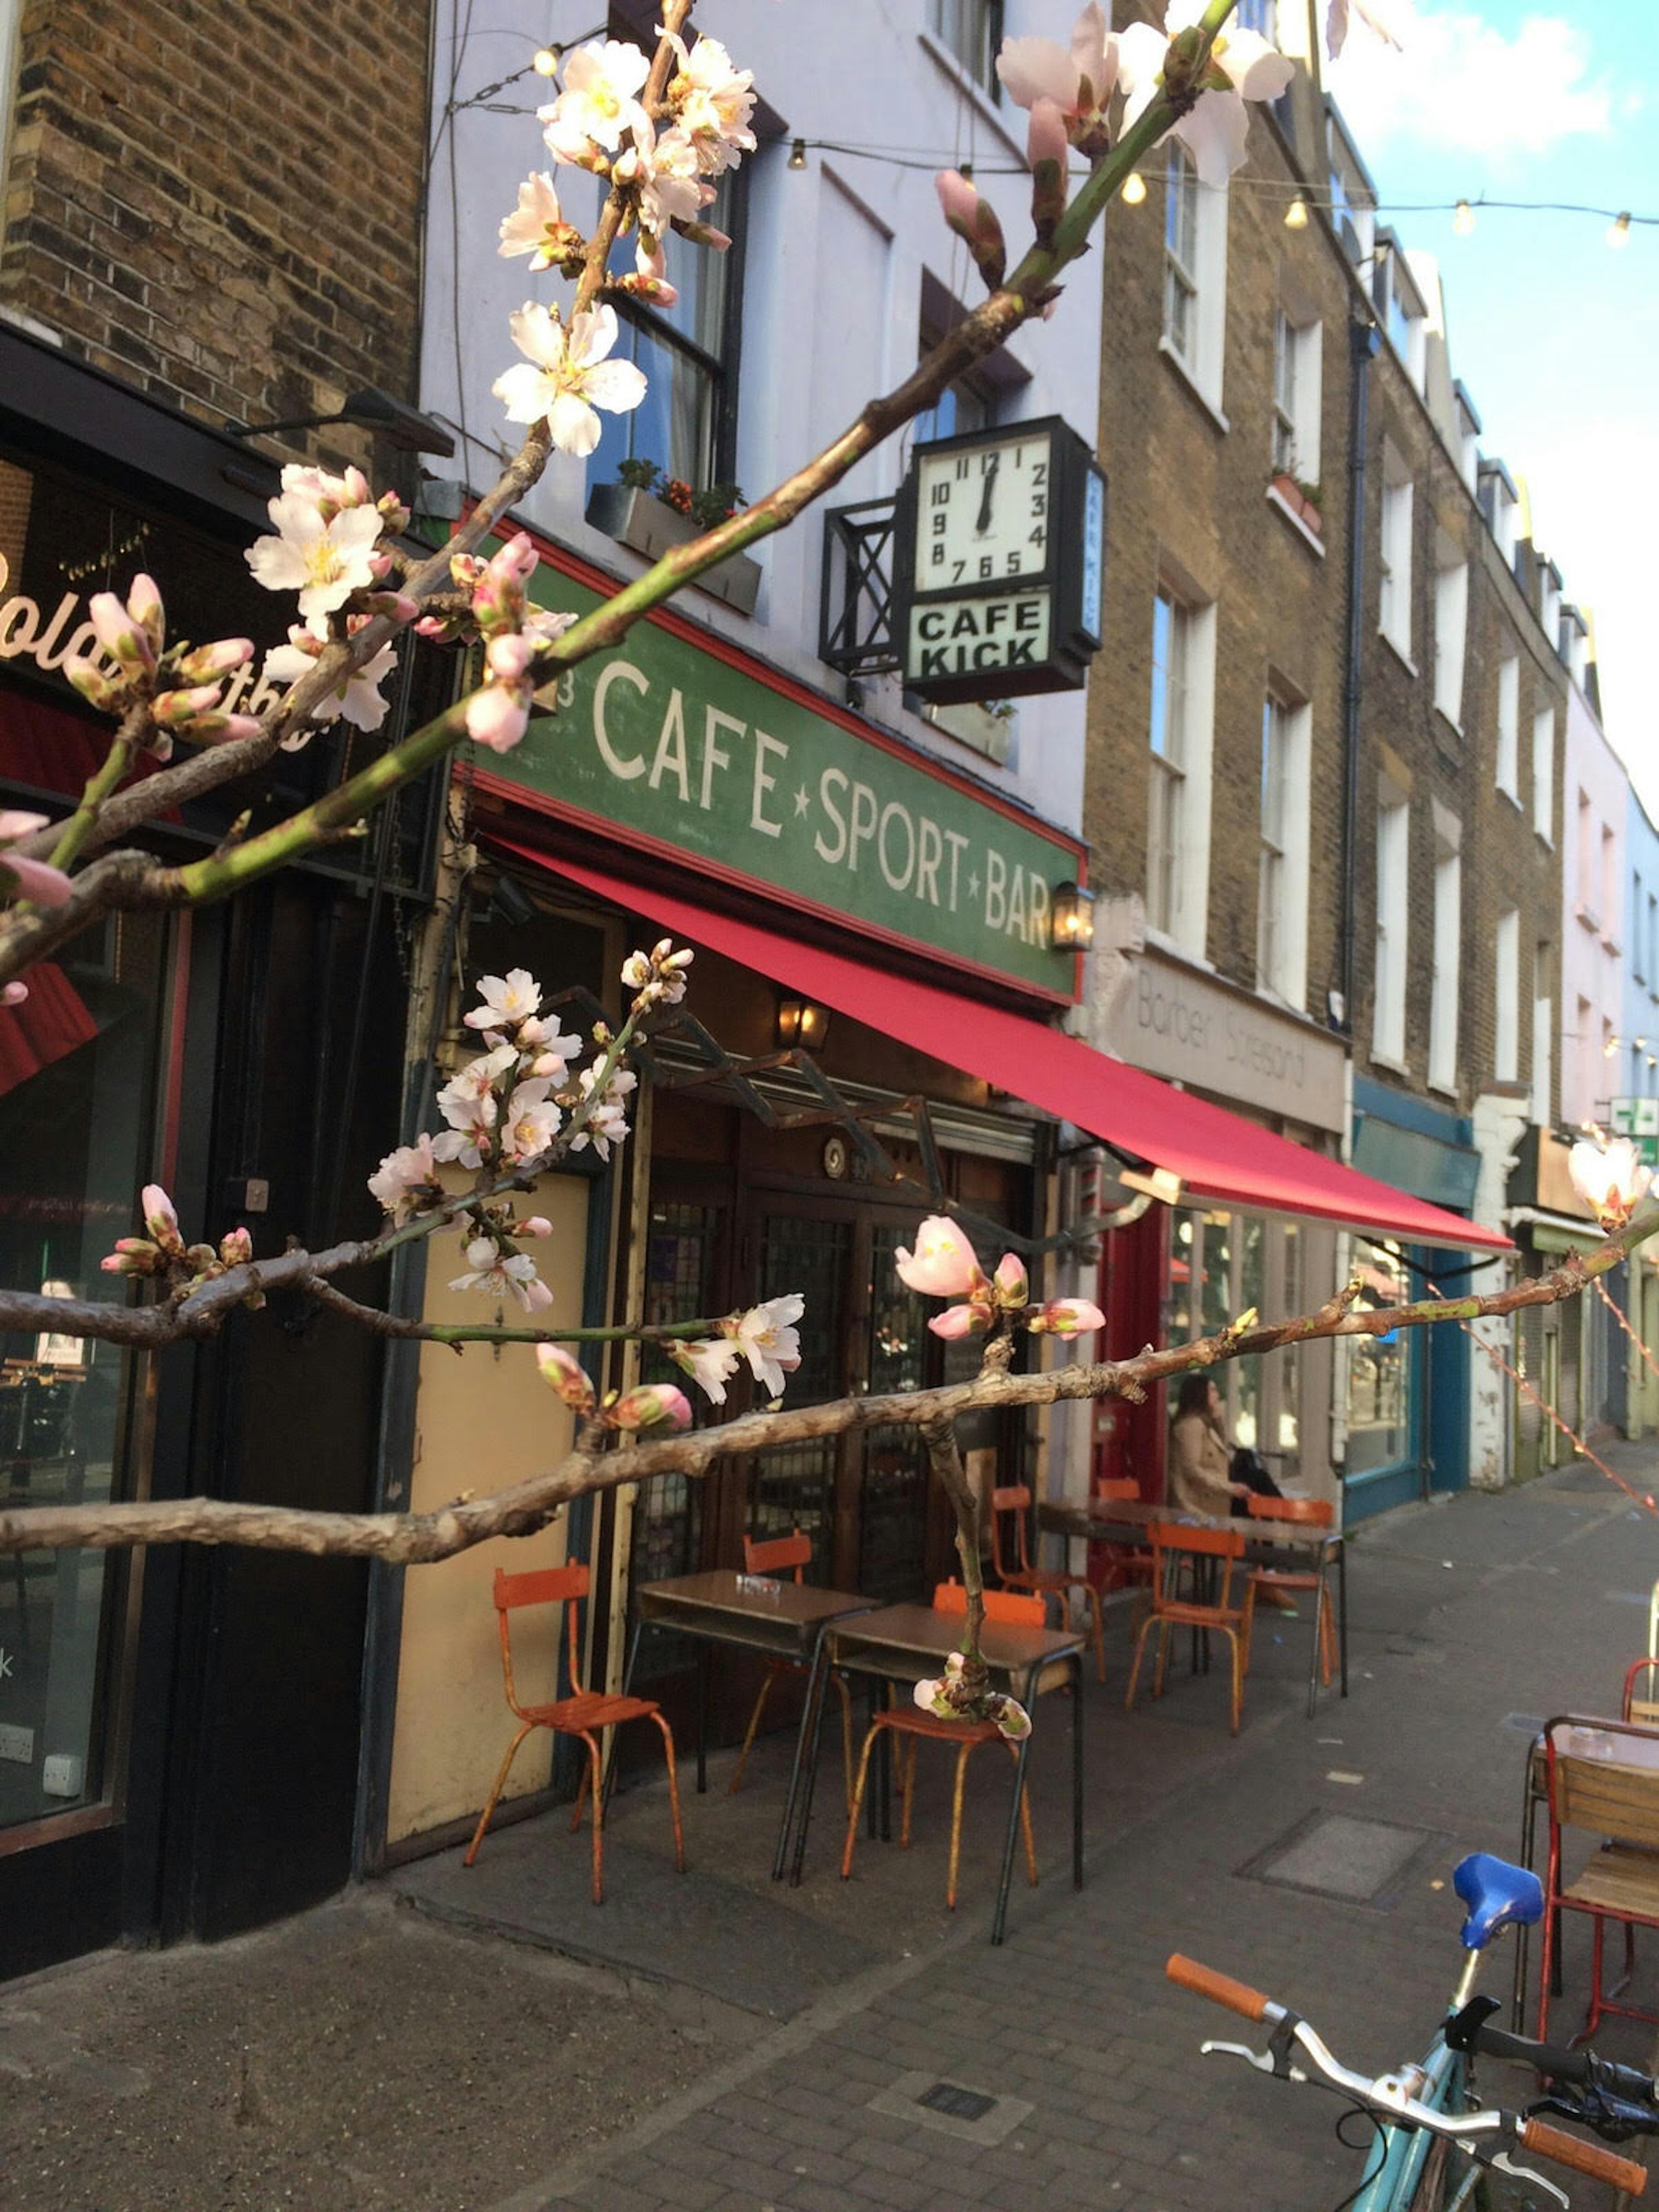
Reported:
(1302, 499)
(651, 512)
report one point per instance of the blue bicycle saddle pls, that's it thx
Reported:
(1496, 1894)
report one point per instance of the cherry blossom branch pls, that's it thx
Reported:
(25, 937)
(411, 1539)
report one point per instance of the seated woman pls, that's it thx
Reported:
(1202, 1477)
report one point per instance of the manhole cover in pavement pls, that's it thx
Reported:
(1524, 1723)
(961, 2104)
(1339, 1855)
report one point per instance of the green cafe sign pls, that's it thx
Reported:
(665, 742)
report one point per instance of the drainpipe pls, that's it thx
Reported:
(1362, 343)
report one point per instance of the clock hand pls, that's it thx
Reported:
(984, 521)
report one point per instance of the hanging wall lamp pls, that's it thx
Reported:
(1072, 920)
(802, 1023)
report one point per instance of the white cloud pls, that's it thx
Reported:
(1459, 84)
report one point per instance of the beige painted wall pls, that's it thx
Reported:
(485, 1419)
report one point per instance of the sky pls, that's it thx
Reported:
(1554, 334)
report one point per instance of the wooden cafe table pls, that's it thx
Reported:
(778, 1618)
(1126, 1520)
(906, 1643)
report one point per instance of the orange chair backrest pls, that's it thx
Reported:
(1214, 1543)
(567, 1585)
(1012, 1607)
(774, 1554)
(1013, 1500)
(1311, 1512)
(1114, 1488)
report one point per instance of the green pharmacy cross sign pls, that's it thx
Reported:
(677, 742)
(1638, 1119)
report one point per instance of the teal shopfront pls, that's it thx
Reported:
(1408, 1397)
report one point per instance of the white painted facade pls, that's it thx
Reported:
(842, 259)
(1595, 876)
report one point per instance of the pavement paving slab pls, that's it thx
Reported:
(488, 2041)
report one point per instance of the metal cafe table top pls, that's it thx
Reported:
(777, 1618)
(908, 1643)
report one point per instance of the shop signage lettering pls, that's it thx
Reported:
(977, 635)
(28, 631)
(1177, 1024)
(665, 740)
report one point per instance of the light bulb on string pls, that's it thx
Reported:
(545, 61)
(1619, 234)
(1296, 216)
(797, 154)
(1134, 189)
(1463, 218)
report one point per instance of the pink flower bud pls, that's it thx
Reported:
(537, 1226)
(13, 994)
(159, 1219)
(497, 716)
(654, 1406)
(207, 661)
(943, 1263)
(566, 1375)
(960, 1321)
(32, 879)
(1013, 1288)
(171, 708)
(508, 657)
(1066, 1317)
(975, 220)
(90, 681)
(145, 605)
(236, 1247)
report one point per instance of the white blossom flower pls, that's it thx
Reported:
(666, 169)
(768, 1338)
(607, 1122)
(536, 226)
(530, 1122)
(489, 1268)
(1215, 130)
(599, 102)
(1610, 1178)
(566, 376)
(509, 1000)
(356, 699)
(1078, 79)
(710, 1361)
(323, 561)
(712, 103)
(1372, 17)
(410, 1168)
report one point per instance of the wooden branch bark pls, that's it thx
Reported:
(414, 1538)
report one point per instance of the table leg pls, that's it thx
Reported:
(808, 1781)
(1342, 1606)
(705, 1664)
(817, 1687)
(1010, 1843)
(1318, 1629)
(1076, 1771)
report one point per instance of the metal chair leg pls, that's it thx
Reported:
(957, 1792)
(1091, 1597)
(754, 1723)
(1161, 1665)
(593, 1743)
(1134, 1669)
(497, 1788)
(845, 1735)
(907, 1764)
(661, 1719)
(858, 1798)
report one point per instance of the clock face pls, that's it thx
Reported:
(983, 513)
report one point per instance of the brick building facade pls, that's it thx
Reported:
(206, 220)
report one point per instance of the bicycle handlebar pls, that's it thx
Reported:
(1220, 1988)
(1601, 2165)
(1557, 2061)
(1393, 2099)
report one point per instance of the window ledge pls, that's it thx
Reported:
(1282, 506)
(1393, 1066)
(1193, 385)
(970, 86)
(1446, 1089)
(1399, 651)
(1588, 915)
(1543, 837)
(1513, 796)
(1450, 721)
(1161, 941)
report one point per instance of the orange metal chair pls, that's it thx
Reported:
(1311, 1513)
(777, 1556)
(912, 1725)
(1047, 1582)
(1172, 1542)
(1123, 1566)
(1619, 1801)
(583, 1713)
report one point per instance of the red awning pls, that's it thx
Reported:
(51, 1023)
(1217, 1155)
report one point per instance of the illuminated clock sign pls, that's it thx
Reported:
(1000, 563)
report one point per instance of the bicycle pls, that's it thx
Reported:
(1426, 2116)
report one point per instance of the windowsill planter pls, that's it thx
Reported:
(648, 525)
(1291, 494)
